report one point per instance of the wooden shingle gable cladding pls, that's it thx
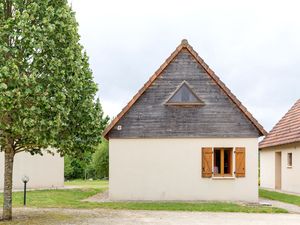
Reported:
(147, 116)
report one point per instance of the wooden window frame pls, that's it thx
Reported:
(221, 173)
(184, 104)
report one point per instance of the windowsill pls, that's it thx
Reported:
(223, 178)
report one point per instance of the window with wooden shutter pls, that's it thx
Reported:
(207, 162)
(240, 162)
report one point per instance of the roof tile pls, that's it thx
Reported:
(286, 131)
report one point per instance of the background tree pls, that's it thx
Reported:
(46, 87)
(95, 166)
(78, 167)
(100, 161)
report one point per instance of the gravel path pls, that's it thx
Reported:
(141, 217)
(126, 217)
(289, 207)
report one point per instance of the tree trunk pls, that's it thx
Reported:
(8, 176)
(8, 148)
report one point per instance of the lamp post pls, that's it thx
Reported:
(25, 180)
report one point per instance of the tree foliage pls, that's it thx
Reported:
(95, 166)
(78, 168)
(68, 168)
(100, 161)
(46, 86)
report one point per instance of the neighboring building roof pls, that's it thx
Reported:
(286, 131)
(184, 45)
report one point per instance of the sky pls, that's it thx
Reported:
(253, 46)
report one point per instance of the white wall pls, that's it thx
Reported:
(45, 171)
(170, 169)
(290, 175)
(267, 168)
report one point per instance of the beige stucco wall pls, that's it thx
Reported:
(289, 175)
(45, 171)
(170, 169)
(267, 168)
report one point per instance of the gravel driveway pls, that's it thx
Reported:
(141, 217)
(125, 217)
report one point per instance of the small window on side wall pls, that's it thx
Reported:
(290, 159)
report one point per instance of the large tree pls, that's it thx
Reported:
(46, 87)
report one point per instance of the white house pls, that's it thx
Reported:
(280, 154)
(44, 172)
(184, 136)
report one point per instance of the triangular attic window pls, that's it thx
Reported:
(184, 95)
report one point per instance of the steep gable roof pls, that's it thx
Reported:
(185, 45)
(286, 131)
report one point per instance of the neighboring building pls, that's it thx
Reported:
(184, 136)
(280, 154)
(44, 172)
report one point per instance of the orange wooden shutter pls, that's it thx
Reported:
(206, 162)
(240, 163)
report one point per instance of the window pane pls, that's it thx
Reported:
(217, 161)
(290, 159)
(222, 161)
(227, 161)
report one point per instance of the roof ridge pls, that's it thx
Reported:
(184, 44)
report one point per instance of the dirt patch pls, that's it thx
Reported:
(35, 216)
(100, 197)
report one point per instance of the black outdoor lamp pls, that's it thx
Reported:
(25, 180)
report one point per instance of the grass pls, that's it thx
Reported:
(96, 184)
(191, 206)
(55, 198)
(273, 195)
(72, 198)
(66, 198)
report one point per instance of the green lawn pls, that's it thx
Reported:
(288, 198)
(189, 206)
(96, 184)
(71, 198)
